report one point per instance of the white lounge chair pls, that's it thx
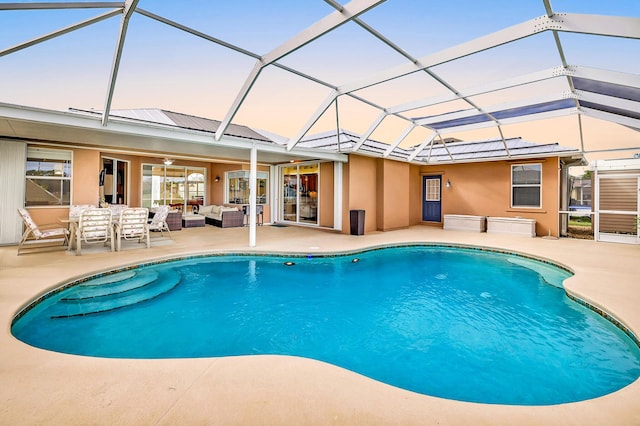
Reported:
(40, 234)
(159, 221)
(132, 225)
(94, 226)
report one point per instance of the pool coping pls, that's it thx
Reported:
(619, 407)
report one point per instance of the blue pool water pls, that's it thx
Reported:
(463, 324)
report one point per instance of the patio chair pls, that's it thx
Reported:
(94, 226)
(76, 209)
(132, 225)
(116, 210)
(40, 234)
(159, 220)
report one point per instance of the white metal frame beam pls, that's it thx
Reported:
(422, 146)
(129, 7)
(60, 32)
(314, 118)
(577, 23)
(321, 27)
(62, 5)
(399, 140)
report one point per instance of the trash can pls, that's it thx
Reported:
(357, 222)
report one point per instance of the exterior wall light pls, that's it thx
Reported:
(448, 184)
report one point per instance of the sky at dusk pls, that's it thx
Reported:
(163, 67)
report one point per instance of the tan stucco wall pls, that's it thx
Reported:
(360, 185)
(326, 203)
(383, 189)
(415, 195)
(393, 195)
(485, 189)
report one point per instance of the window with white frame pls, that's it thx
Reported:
(237, 187)
(48, 177)
(177, 186)
(526, 185)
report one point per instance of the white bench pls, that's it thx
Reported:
(465, 222)
(511, 225)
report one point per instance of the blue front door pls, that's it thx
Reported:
(431, 203)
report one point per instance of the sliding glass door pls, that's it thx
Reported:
(114, 180)
(300, 193)
(182, 188)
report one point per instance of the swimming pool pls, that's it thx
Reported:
(463, 324)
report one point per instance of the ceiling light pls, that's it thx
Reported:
(168, 162)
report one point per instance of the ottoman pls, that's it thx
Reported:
(192, 221)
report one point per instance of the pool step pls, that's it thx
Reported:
(109, 279)
(91, 291)
(166, 282)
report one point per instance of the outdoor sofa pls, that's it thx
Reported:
(222, 216)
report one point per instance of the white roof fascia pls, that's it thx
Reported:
(59, 32)
(321, 27)
(129, 7)
(315, 117)
(370, 130)
(156, 131)
(479, 90)
(398, 141)
(479, 44)
(422, 146)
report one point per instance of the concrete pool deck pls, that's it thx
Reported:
(43, 387)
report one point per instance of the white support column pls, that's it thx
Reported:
(253, 173)
(337, 195)
(274, 194)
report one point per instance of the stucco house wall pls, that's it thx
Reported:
(485, 189)
(359, 186)
(327, 192)
(393, 195)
